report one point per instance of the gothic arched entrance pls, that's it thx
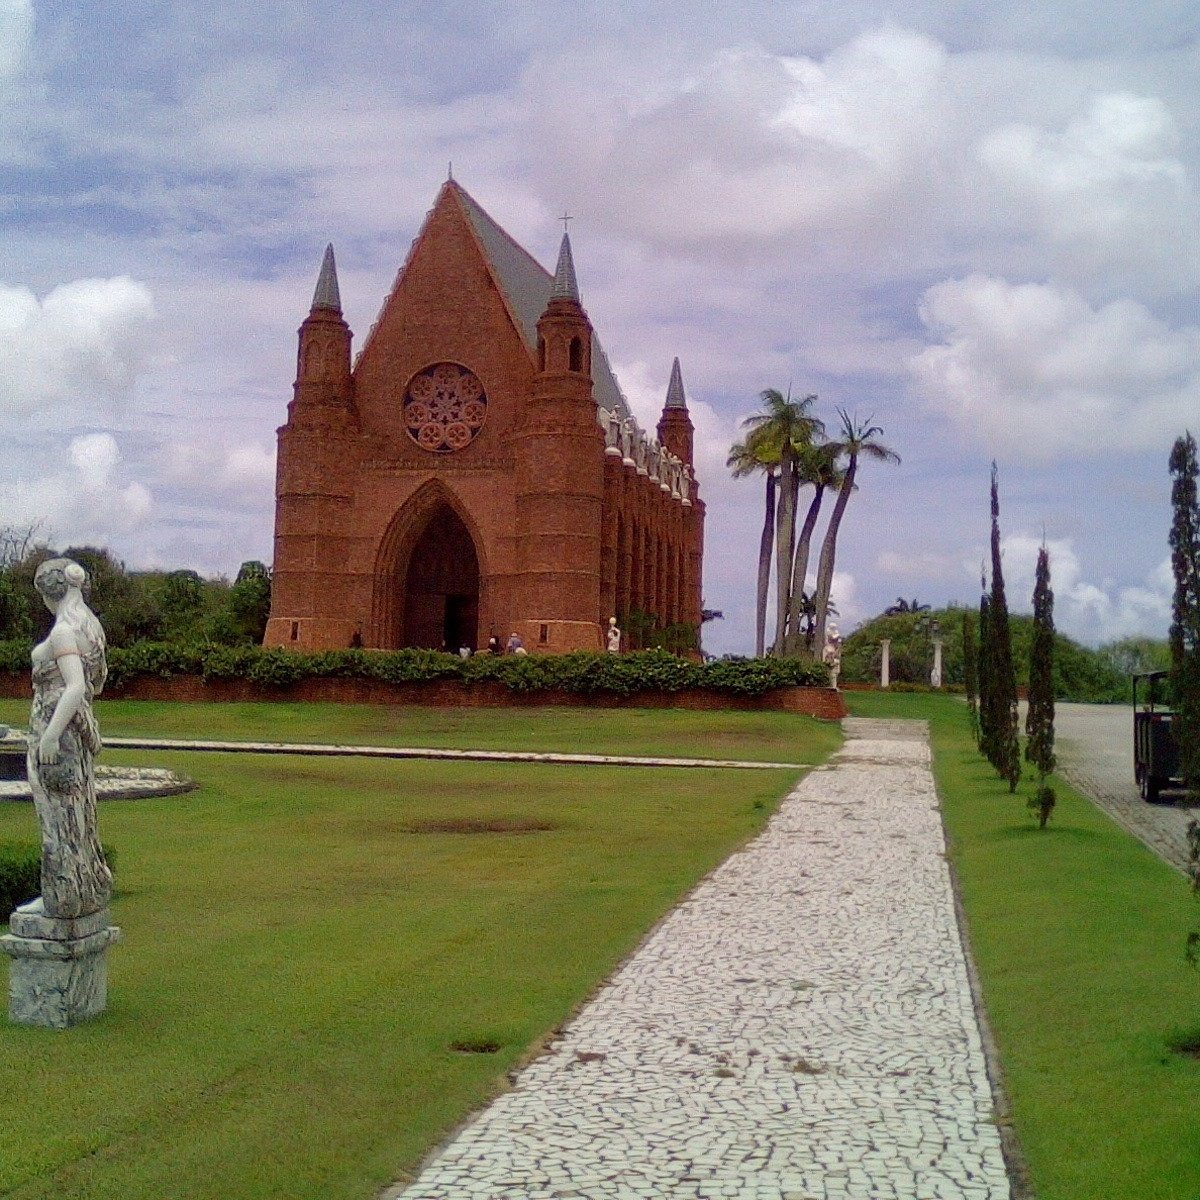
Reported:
(440, 587)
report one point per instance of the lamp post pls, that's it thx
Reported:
(935, 676)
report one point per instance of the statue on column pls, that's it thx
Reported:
(59, 941)
(69, 670)
(832, 654)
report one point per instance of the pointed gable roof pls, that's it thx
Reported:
(526, 287)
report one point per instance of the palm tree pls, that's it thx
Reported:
(816, 467)
(789, 425)
(857, 440)
(744, 459)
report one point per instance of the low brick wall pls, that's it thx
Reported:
(825, 703)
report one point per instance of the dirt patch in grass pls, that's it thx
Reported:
(1185, 1042)
(474, 825)
(475, 1046)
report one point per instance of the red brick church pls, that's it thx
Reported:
(476, 470)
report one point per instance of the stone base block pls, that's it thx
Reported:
(59, 971)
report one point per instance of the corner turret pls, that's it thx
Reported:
(675, 430)
(323, 389)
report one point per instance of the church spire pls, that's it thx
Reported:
(565, 287)
(327, 294)
(675, 395)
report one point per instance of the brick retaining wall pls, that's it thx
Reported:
(825, 703)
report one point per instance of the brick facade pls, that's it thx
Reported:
(477, 470)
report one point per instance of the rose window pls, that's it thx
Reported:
(444, 408)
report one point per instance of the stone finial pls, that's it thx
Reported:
(565, 286)
(675, 395)
(327, 294)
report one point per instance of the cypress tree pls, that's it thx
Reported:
(971, 669)
(1185, 609)
(1006, 747)
(984, 671)
(1039, 723)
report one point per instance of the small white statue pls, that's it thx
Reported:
(614, 636)
(627, 440)
(832, 654)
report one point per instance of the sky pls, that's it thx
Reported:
(974, 223)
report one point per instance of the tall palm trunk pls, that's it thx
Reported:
(785, 540)
(764, 567)
(799, 570)
(828, 553)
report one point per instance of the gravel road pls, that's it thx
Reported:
(1095, 752)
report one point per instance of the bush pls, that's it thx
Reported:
(21, 873)
(586, 673)
(1079, 673)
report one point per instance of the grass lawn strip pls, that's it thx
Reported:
(306, 939)
(723, 733)
(1078, 934)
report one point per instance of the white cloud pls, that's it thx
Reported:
(82, 346)
(1090, 612)
(16, 34)
(80, 497)
(1034, 369)
(1110, 183)
(242, 471)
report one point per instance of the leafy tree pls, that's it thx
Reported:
(1006, 756)
(1005, 747)
(1039, 721)
(970, 658)
(249, 603)
(904, 606)
(1136, 655)
(1185, 608)
(857, 440)
(983, 671)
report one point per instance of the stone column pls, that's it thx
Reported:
(885, 667)
(935, 676)
(59, 972)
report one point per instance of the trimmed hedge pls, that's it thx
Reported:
(617, 674)
(21, 873)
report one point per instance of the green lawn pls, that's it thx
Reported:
(760, 736)
(1079, 934)
(299, 956)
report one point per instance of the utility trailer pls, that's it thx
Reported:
(1155, 750)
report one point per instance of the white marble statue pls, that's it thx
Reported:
(832, 654)
(627, 440)
(613, 636)
(69, 670)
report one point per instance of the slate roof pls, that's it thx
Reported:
(526, 286)
(327, 295)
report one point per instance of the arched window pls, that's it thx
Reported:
(541, 354)
(576, 354)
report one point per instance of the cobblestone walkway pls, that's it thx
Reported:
(800, 1027)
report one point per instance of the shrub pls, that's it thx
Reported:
(581, 672)
(21, 873)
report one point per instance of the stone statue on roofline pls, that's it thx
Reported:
(627, 440)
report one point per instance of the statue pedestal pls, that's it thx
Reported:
(59, 972)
